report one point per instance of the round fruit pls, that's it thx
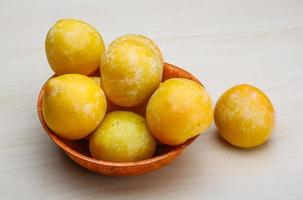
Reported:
(73, 46)
(244, 116)
(178, 110)
(131, 70)
(73, 105)
(122, 137)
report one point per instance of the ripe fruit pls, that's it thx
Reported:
(244, 116)
(178, 110)
(131, 70)
(122, 137)
(73, 105)
(73, 46)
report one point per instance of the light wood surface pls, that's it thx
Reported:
(222, 42)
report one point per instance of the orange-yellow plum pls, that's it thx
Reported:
(178, 110)
(131, 70)
(73, 105)
(73, 46)
(244, 116)
(122, 137)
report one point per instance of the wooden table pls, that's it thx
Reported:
(223, 43)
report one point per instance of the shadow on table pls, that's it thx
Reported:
(72, 178)
(230, 147)
(80, 180)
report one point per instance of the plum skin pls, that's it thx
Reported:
(73, 105)
(122, 137)
(131, 70)
(178, 110)
(244, 116)
(73, 46)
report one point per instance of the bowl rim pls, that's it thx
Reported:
(57, 140)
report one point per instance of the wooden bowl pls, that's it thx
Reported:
(78, 150)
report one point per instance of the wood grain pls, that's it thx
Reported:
(223, 43)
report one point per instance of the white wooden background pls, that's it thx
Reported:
(222, 42)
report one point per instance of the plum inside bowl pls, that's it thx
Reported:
(78, 150)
